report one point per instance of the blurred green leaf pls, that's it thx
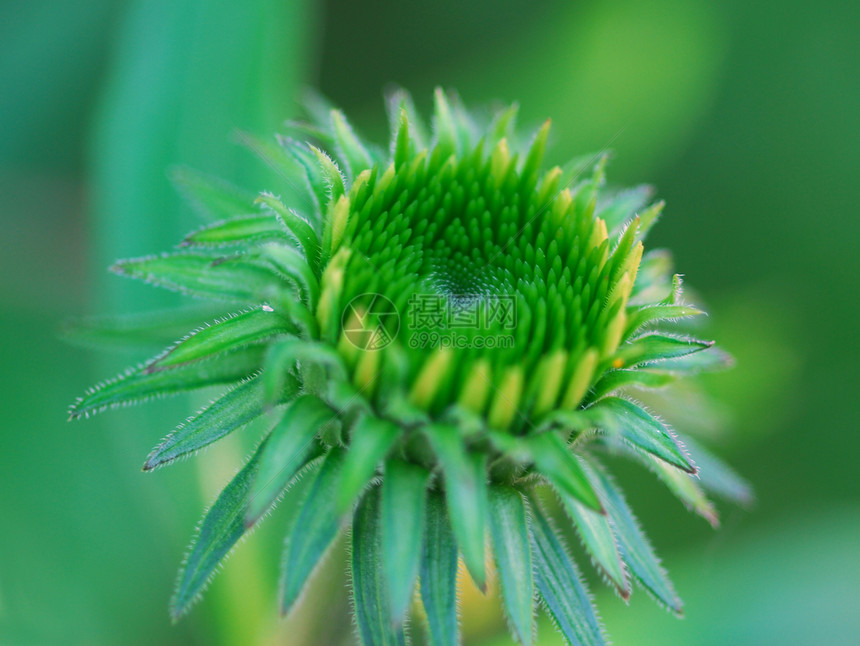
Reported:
(562, 467)
(138, 385)
(599, 541)
(634, 546)
(403, 514)
(230, 411)
(256, 227)
(348, 145)
(642, 430)
(646, 315)
(221, 528)
(513, 558)
(372, 605)
(685, 487)
(717, 477)
(655, 347)
(465, 482)
(615, 380)
(371, 439)
(708, 360)
(439, 575)
(145, 330)
(212, 197)
(205, 275)
(618, 208)
(560, 586)
(287, 452)
(236, 331)
(313, 530)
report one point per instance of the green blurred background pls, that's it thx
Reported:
(744, 114)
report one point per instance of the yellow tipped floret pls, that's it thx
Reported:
(580, 380)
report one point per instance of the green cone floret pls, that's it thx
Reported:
(448, 335)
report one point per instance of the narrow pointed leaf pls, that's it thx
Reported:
(317, 108)
(443, 124)
(439, 575)
(204, 275)
(623, 249)
(221, 528)
(650, 217)
(331, 174)
(511, 547)
(654, 278)
(559, 464)
(144, 330)
(398, 101)
(534, 158)
(402, 143)
(599, 541)
(212, 197)
(313, 175)
(371, 440)
(372, 604)
(246, 328)
(616, 380)
(624, 205)
(138, 385)
(404, 495)
(719, 478)
(350, 149)
(465, 125)
(645, 315)
(290, 446)
(305, 132)
(560, 586)
(653, 348)
(298, 226)
(278, 160)
(502, 127)
(635, 548)
(313, 530)
(686, 489)
(466, 489)
(574, 168)
(642, 430)
(709, 360)
(240, 230)
(230, 411)
(674, 297)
